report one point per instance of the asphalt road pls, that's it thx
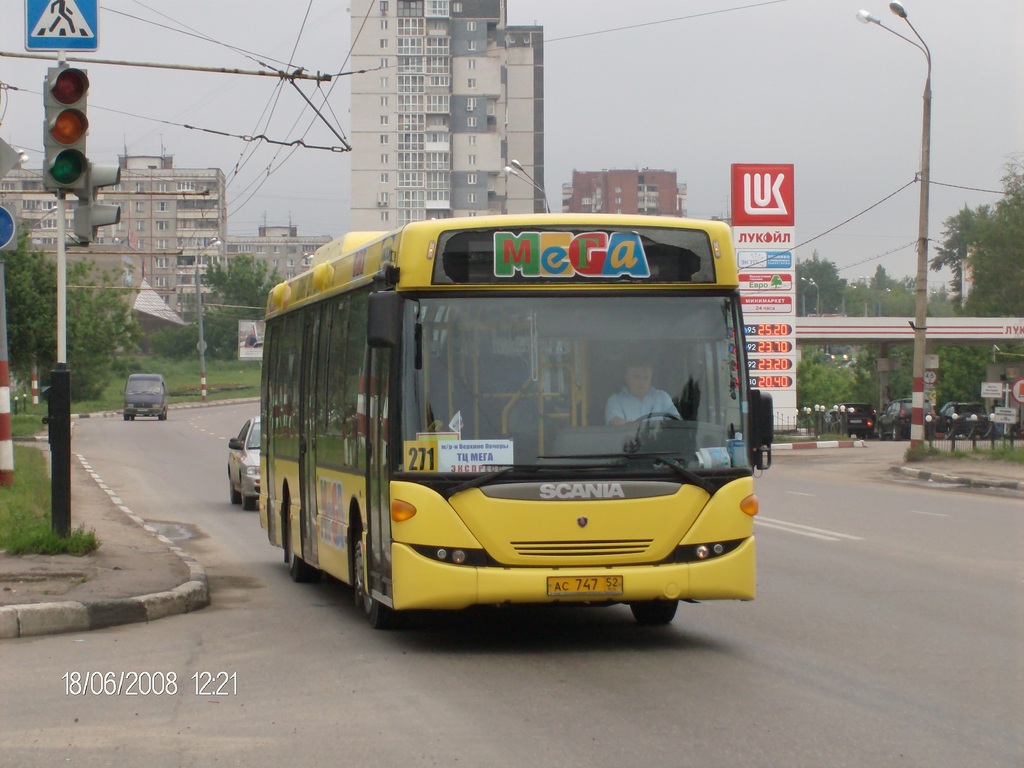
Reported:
(887, 631)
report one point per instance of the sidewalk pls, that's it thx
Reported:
(1000, 475)
(138, 575)
(971, 473)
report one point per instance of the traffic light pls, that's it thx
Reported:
(65, 126)
(90, 214)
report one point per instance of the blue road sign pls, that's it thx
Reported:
(7, 238)
(61, 25)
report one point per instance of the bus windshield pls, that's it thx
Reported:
(495, 382)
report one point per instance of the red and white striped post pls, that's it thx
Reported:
(6, 443)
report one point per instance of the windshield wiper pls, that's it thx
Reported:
(659, 458)
(476, 482)
(620, 459)
(488, 477)
(686, 474)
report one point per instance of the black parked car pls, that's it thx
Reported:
(962, 420)
(894, 421)
(854, 419)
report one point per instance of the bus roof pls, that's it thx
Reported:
(356, 257)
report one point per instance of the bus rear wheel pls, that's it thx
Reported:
(377, 614)
(654, 612)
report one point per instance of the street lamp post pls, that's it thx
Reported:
(515, 168)
(817, 296)
(201, 346)
(921, 284)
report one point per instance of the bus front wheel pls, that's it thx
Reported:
(379, 615)
(301, 571)
(654, 612)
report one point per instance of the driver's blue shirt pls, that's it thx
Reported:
(625, 406)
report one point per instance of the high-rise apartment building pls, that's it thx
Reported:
(450, 96)
(625, 191)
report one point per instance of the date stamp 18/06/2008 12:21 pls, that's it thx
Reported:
(131, 683)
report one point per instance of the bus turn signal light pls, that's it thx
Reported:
(401, 510)
(749, 505)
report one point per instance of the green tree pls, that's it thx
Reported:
(99, 320)
(237, 292)
(818, 286)
(31, 283)
(953, 251)
(961, 370)
(820, 381)
(996, 248)
(176, 343)
(100, 326)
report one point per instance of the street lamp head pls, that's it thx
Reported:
(510, 171)
(898, 9)
(517, 165)
(865, 17)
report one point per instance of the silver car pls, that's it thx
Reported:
(244, 465)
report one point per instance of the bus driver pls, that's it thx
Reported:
(638, 399)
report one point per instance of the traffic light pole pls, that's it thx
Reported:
(62, 279)
(59, 395)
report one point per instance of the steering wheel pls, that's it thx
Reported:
(660, 416)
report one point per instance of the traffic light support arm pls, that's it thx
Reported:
(298, 74)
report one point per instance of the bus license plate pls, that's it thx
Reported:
(564, 586)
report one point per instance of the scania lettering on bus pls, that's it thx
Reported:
(581, 491)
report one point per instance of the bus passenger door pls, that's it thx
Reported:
(378, 476)
(307, 441)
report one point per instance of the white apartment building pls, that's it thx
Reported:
(279, 247)
(170, 219)
(451, 95)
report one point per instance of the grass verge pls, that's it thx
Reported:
(1000, 453)
(25, 525)
(224, 380)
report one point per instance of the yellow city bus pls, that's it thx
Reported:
(437, 410)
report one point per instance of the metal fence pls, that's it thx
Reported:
(990, 441)
(814, 425)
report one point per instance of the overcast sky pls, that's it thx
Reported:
(685, 85)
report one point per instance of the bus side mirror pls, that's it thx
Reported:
(762, 429)
(385, 319)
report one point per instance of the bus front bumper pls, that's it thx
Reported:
(422, 583)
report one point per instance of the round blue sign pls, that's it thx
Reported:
(6, 227)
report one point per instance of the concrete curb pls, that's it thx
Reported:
(171, 407)
(964, 480)
(36, 619)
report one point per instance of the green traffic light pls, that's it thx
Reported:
(68, 167)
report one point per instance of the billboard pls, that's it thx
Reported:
(250, 339)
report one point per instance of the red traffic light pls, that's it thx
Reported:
(70, 86)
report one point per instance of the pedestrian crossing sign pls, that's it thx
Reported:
(61, 25)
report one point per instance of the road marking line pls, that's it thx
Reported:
(806, 530)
